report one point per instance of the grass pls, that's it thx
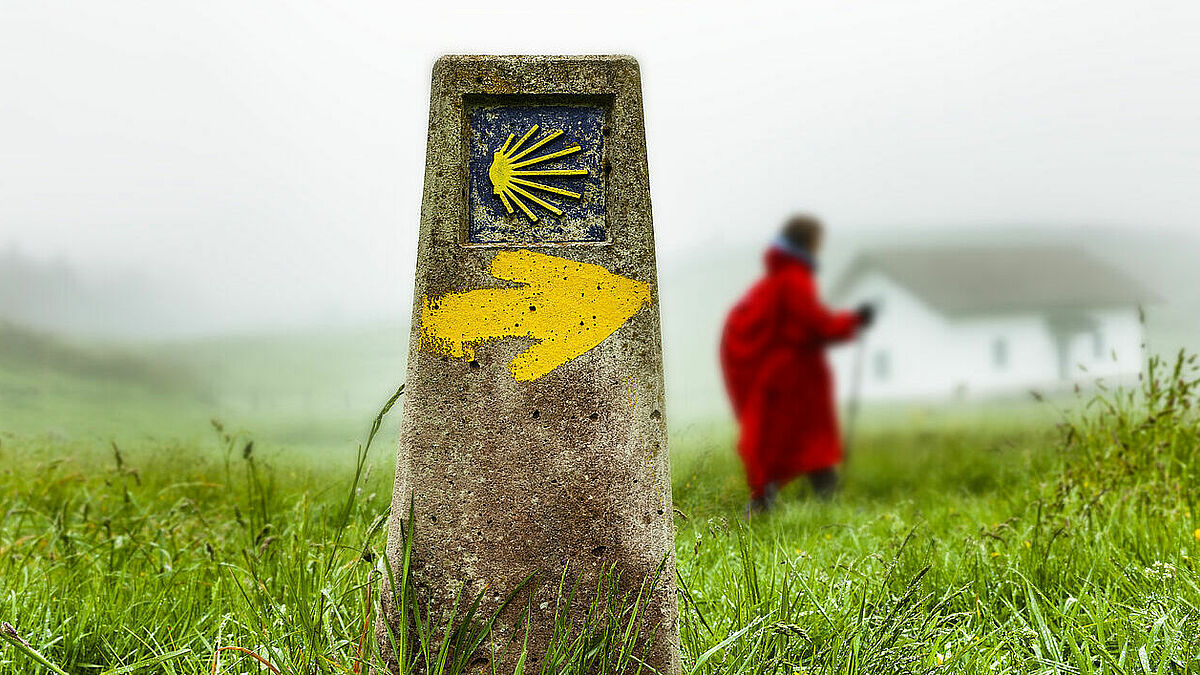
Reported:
(307, 392)
(1015, 547)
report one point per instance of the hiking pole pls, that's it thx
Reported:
(852, 404)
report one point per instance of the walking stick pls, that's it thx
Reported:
(860, 351)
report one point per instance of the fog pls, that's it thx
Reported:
(263, 161)
(228, 167)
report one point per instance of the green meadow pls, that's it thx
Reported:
(162, 515)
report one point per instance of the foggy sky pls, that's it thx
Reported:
(264, 160)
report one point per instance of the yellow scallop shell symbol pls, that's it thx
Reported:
(509, 177)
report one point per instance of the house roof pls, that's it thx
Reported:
(966, 280)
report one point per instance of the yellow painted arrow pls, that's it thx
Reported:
(567, 306)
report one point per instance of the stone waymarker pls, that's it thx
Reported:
(533, 436)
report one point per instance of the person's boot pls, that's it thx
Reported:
(770, 494)
(824, 483)
(754, 507)
(764, 502)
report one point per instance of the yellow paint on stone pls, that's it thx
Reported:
(507, 176)
(568, 307)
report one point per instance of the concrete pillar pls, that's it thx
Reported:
(534, 434)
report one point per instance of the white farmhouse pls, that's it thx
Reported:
(958, 322)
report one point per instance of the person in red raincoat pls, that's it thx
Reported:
(780, 384)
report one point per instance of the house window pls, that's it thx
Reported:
(881, 364)
(999, 353)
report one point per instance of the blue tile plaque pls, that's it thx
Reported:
(535, 175)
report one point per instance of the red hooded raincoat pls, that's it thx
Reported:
(773, 358)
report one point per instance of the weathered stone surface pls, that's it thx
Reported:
(514, 470)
